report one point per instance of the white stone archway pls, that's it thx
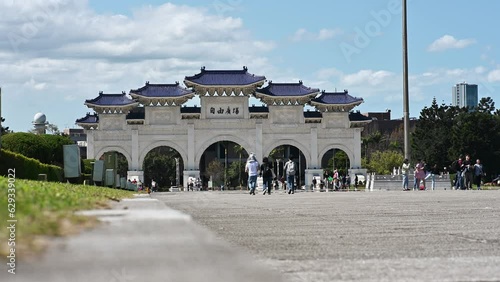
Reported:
(214, 139)
(118, 149)
(342, 147)
(283, 142)
(157, 144)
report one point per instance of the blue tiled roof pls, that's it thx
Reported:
(357, 116)
(337, 98)
(224, 77)
(111, 100)
(287, 89)
(190, 110)
(94, 118)
(161, 90)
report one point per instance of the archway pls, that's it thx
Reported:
(280, 155)
(335, 159)
(115, 168)
(223, 163)
(163, 165)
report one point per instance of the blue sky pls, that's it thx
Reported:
(55, 54)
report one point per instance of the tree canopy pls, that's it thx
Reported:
(443, 133)
(46, 148)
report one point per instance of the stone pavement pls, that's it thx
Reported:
(358, 236)
(142, 240)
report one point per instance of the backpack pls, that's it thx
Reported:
(290, 169)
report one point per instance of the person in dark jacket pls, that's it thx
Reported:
(266, 172)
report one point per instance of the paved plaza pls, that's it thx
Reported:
(362, 236)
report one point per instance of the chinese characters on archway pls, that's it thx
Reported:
(225, 111)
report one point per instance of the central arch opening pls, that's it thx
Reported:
(222, 166)
(163, 165)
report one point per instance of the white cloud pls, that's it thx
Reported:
(494, 75)
(303, 34)
(65, 52)
(367, 77)
(449, 42)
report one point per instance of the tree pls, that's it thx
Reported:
(215, 170)
(341, 162)
(160, 166)
(431, 140)
(4, 129)
(486, 105)
(385, 162)
(45, 148)
(235, 172)
(477, 134)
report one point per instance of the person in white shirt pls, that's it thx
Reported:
(252, 168)
(405, 168)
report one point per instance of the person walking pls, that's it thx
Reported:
(290, 175)
(266, 172)
(405, 169)
(478, 173)
(252, 168)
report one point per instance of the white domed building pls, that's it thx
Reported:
(40, 123)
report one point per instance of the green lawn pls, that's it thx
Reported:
(45, 209)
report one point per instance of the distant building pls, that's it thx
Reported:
(382, 122)
(78, 136)
(465, 95)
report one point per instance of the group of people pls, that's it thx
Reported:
(265, 170)
(467, 174)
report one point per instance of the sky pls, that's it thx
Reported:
(55, 54)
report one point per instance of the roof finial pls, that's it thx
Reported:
(245, 68)
(123, 92)
(202, 68)
(176, 82)
(300, 82)
(147, 82)
(100, 92)
(345, 91)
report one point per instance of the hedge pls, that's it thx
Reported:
(28, 168)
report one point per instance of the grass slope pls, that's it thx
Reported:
(47, 209)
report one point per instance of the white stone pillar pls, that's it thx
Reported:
(191, 149)
(135, 151)
(314, 164)
(90, 144)
(357, 148)
(258, 142)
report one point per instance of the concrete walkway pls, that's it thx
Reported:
(143, 240)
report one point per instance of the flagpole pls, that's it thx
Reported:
(406, 104)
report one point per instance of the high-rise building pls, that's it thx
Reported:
(465, 95)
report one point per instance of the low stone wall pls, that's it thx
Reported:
(395, 182)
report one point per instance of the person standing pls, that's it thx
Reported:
(420, 175)
(266, 171)
(434, 171)
(478, 173)
(290, 175)
(468, 172)
(252, 168)
(405, 169)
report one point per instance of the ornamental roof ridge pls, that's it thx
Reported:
(161, 90)
(287, 89)
(106, 100)
(223, 77)
(89, 118)
(337, 98)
